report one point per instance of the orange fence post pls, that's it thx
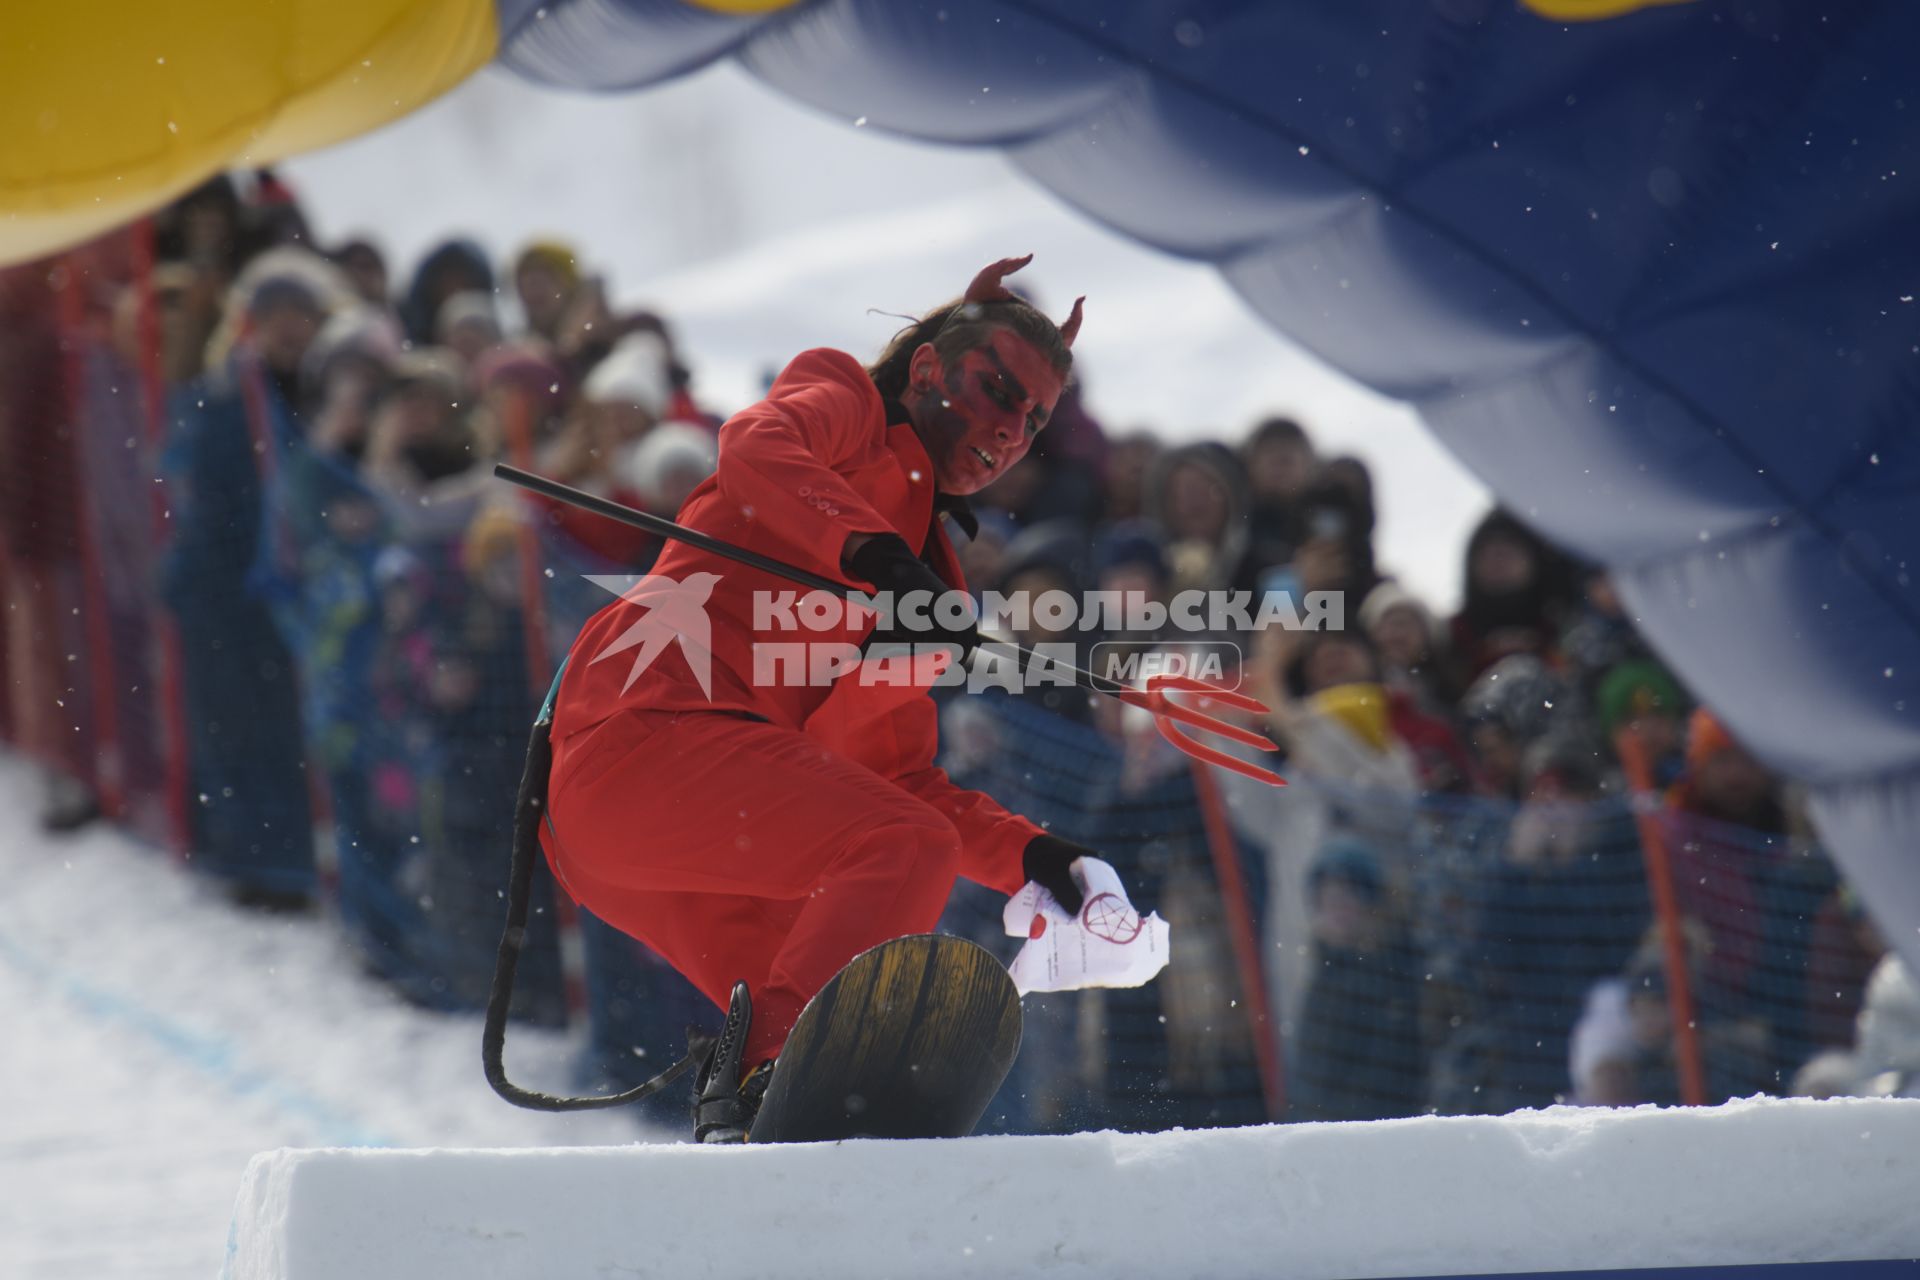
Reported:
(1246, 939)
(1666, 906)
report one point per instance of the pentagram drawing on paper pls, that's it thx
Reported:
(1108, 916)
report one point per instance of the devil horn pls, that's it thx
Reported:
(1070, 328)
(986, 286)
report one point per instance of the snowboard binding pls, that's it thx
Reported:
(724, 1105)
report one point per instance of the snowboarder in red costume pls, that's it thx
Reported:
(760, 831)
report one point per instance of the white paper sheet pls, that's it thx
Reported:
(1108, 944)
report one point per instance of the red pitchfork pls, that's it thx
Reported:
(1156, 699)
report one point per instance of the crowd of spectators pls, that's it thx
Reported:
(1450, 899)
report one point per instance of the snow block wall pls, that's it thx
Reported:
(1760, 1181)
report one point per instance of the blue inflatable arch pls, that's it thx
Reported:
(1652, 277)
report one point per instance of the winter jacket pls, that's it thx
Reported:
(800, 472)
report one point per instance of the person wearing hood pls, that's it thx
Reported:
(1516, 596)
(454, 267)
(1280, 461)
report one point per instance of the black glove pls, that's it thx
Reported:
(886, 561)
(1048, 862)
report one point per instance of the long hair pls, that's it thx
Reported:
(959, 326)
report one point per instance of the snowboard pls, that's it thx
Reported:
(911, 1040)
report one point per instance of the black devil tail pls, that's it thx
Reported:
(530, 810)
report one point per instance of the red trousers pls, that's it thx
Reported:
(742, 851)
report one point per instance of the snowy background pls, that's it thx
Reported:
(761, 228)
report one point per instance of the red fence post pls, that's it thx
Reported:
(1666, 906)
(172, 688)
(1245, 935)
(108, 765)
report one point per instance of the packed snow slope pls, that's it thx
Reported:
(1759, 1181)
(156, 1037)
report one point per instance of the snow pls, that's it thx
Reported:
(1759, 1181)
(158, 1037)
(761, 228)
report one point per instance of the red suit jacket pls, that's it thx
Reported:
(801, 471)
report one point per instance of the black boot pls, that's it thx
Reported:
(723, 1104)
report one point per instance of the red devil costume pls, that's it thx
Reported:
(767, 832)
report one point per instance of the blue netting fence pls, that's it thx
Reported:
(357, 665)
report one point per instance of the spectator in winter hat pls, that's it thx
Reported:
(467, 325)
(668, 463)
(544, 277)
(513, 378)
(1407, 637)
(681, 405)
(1413, 672)
(631, 388)
(351, 363)
(1641, 698)
(1601, 636)
(1512, 704)
(279, 303)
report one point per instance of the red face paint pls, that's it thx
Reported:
(996, 398)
